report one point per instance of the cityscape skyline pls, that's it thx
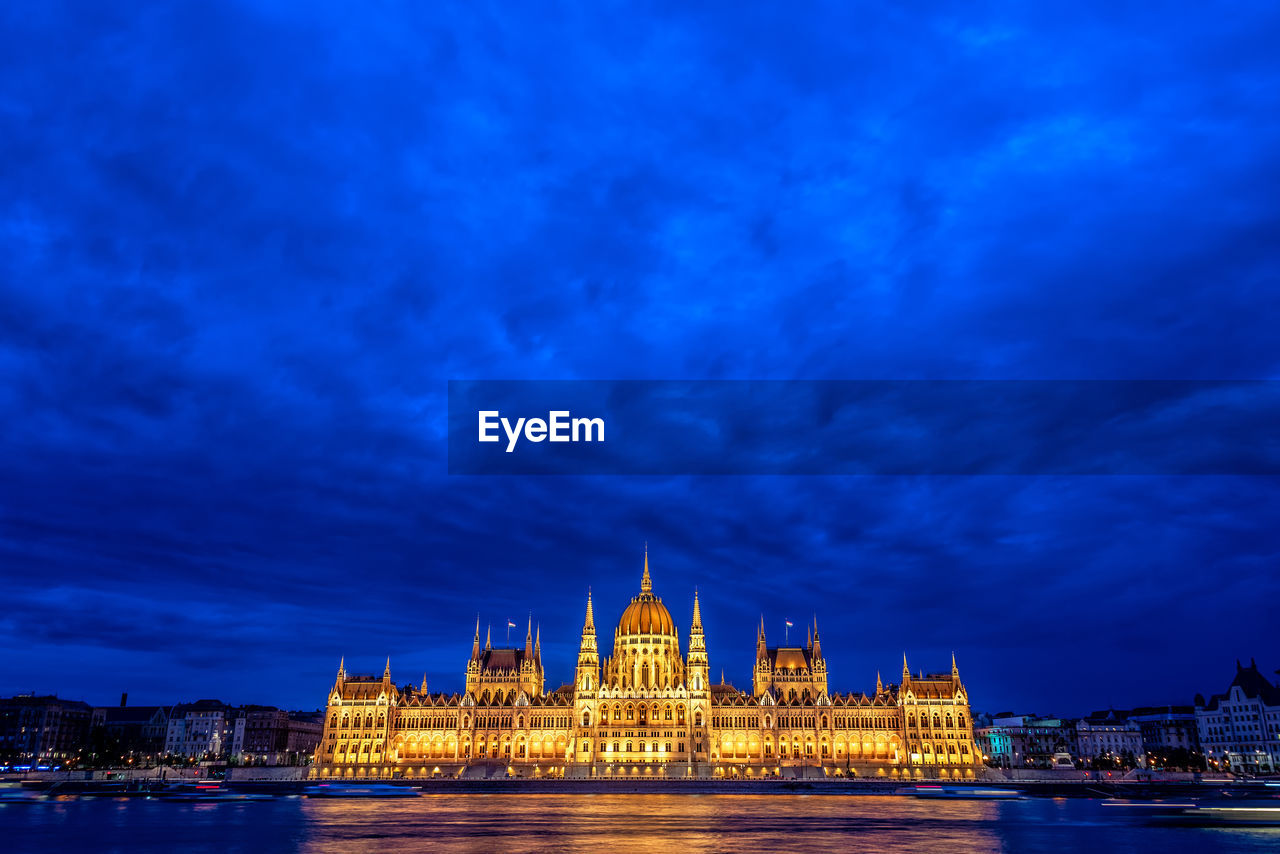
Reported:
(560, 655)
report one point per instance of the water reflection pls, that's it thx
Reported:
(622, 824)
(603, 824)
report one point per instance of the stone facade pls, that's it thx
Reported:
(647, 710)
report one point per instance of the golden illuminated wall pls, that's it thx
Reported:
(646, 708)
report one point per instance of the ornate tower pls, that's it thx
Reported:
(587, 676)
(699, 678)
(762, 677)
(818, 664)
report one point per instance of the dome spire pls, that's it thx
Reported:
(697, 612)
(646, 586)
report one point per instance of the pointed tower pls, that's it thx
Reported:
(473, 666)
(646, 586)
(587, 675)
(817, 664)
(906, 671)
(530, 666)
(488, 638)
(423, 689)
(537, 644)
(342, 676)
(762, 676)
(955, 671)
(879, 684)
(699, 677)
(386, 672)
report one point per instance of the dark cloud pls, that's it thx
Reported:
(245, 248)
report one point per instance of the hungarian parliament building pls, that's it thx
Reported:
(647, 710)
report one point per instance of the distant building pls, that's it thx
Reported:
(133, 730)
(270, 736)
(1109, 735)
(1025, 741)
(1239, 729)
(200, 730)
(1167, 728)
(43, 729)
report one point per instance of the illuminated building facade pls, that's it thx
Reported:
(647, 709)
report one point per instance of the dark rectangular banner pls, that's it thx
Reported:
(864, 427)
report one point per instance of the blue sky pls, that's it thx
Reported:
(247, 245)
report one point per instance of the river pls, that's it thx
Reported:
(603, 824)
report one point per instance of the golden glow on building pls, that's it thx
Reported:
(647, 710)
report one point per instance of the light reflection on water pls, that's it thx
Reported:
(603, 824)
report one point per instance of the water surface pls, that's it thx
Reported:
(604, 824)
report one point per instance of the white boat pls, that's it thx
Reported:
(206, 793)
(960, 793)
(368, 790)
(1203, 812)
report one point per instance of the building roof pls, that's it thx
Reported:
(789, 658)
(1252, 684)
(502, 659)
(131, 714)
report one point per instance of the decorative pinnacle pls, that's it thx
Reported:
(646, 586)
(386, 673)
(697, 612)
(590, 624)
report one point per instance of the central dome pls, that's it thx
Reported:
(646, 615)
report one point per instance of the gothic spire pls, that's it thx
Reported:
(879, 684)
(590, 624)
(955, 671)
(537, 642)
(386, 673)
(488, 637)
(646, 586)
(528, 638)
(475, 644)
(423, 689)
(697, 612)
(342, 670)
(906, 671)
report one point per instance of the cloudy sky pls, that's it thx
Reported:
(245, 247)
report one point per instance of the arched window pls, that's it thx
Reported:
(333, 721)
(824, 721)
(697, 719)
(586, 719)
